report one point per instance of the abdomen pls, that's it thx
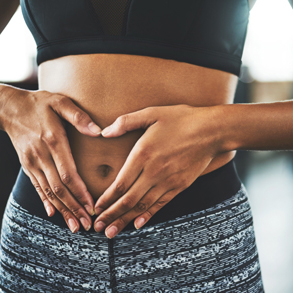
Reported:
(109, 85)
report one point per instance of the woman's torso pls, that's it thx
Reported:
(109, 85)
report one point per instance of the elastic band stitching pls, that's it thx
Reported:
(103, 38)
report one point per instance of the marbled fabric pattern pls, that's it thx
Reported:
(212, 250)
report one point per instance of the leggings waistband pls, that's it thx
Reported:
(213, 250)
(205, 192)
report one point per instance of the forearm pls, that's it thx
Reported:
(6, 93)
(261, 126)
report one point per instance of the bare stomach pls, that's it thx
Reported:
(109, 85)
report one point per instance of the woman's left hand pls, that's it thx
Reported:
(179, 143)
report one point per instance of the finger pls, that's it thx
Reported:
(128, 174)
(142, 206)
(126, 203)
(141, 119)
(69, 218)
(66, 109)
(64, 162)
(130, 200)
(57, 189)
(161, 202)
(50, 209)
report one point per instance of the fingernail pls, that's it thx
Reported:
(99, 226)
(111, 232)
(90, 210)
(72, 225)
(106, 131)
(94, 128)
(50, 211)
(85, 223)
(98, 211)
(139, 223)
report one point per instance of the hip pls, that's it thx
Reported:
(206, 191)
(211, 250)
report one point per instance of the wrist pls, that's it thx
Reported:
(210, 129)
(226, 127)
(7, 94)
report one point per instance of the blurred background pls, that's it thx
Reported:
(267, 76)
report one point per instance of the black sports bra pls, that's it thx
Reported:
(208, 33)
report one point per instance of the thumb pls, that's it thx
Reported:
(67, 110)
(141, 119)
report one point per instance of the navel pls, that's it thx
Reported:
(104, 170)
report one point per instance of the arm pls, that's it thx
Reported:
(7, 9)
(33, 121)
(260, 126)
(179, 143)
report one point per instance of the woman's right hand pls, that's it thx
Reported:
(33, 121)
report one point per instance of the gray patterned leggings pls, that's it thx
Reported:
(212, 250)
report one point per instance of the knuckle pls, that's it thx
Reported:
(122, 120)
(149, 110)
(78, 117)
(127, 203)
(65, 213)
(149, 214)
(161, 202)
(27, 161)
(140, 207)
(121, 222)
(59, 190)
(145, 152)
(49, 137)
(66, 178)
(120, 188)
(59, 100)
(49, 193)
(75, 210)
(45, 201)
(38, 187)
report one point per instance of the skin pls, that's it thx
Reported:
(68, 181)
(178, 145)
(35, 125)
(152, 176)
(156, 104)
(110, 89)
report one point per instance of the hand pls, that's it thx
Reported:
(179, 143)
(33, 121)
